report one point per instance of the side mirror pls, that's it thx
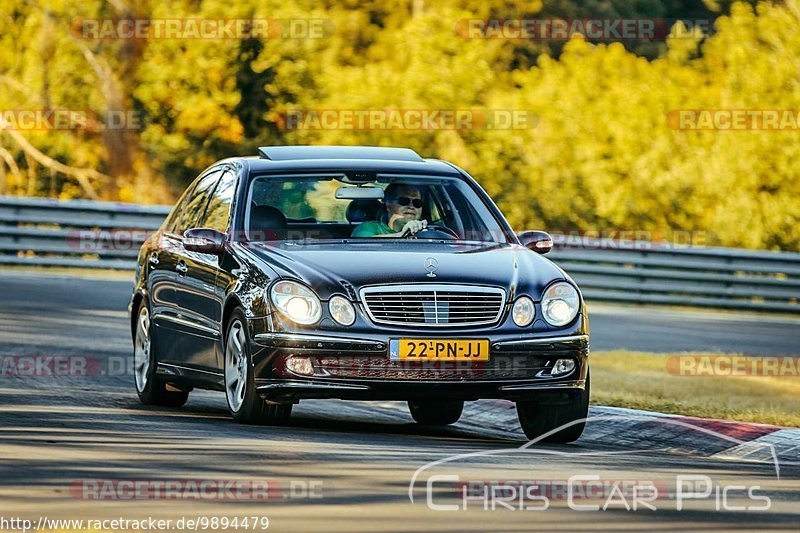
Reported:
(204, 240)
(539, 241)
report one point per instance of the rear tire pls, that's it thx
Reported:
(435, 413)
(150, 389)
(538, 418)
(244, 402)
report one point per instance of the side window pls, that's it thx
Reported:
(175, 214)
(442, 209)
(219, 206)
(188, 211)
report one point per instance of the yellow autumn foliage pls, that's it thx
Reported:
(605, 152)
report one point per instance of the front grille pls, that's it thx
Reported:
(434, 305)
(357, 367)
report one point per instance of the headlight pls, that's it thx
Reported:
(296, 301)
(342, 310)
(560, 304)
(523, 311)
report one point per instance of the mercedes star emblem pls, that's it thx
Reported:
(431, 265)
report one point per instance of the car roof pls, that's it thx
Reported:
(340, 158)
(288, 153)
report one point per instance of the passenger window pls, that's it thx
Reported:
(189, 209)
(219, 206)
(436, 215)
(176, 212)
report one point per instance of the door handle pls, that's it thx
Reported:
(182, 268)
(153, 259)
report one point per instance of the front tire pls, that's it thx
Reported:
(244, 402)
(150, 389)
(435, 413)
(538, 418)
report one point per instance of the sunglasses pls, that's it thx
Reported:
(405, 200)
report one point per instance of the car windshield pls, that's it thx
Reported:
(324, 207)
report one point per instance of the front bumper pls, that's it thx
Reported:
(294, 390)
(360, 369)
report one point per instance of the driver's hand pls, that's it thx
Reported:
(413, 227)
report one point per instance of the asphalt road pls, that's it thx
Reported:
(338, 466)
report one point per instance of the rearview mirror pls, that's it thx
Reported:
(359, 193)
(538, 241)
(204, 240)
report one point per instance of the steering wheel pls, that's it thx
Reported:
(433, 231)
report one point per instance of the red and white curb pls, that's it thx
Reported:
(785, 442)
(637, 429)
(643, 430)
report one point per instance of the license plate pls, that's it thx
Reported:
(439, 349)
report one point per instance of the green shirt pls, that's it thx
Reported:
(372, 228)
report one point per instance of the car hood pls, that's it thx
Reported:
(346, 267)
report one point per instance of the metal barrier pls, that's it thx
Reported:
(698, 277)
(106, 235)
(74, 233)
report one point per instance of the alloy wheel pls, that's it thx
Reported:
(235, 366)
(141, 349)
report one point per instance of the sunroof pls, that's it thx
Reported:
(288, 153)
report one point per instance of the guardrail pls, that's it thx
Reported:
(86, 234)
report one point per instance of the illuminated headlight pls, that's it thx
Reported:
(296, 301)
(523, 311)
(342, 310)
(560, 304)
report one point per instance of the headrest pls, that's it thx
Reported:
(362, 210)
(267, 223)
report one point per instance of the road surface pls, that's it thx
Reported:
(68, 445)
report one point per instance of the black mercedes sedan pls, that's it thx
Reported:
(357, 273)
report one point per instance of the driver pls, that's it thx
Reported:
(403, 204)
